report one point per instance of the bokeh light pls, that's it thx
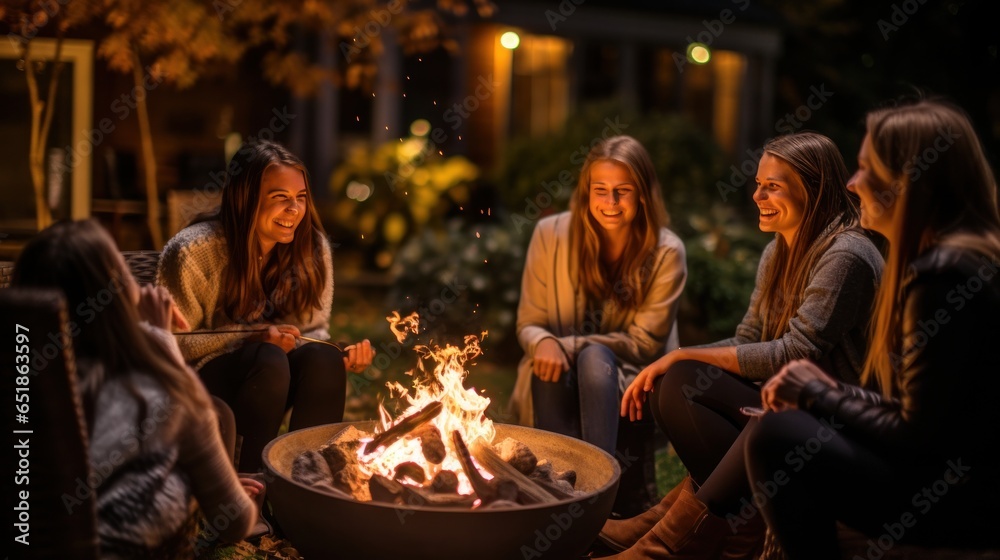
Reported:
(698, 53)
(510, 40)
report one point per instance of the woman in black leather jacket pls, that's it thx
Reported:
(913, 460)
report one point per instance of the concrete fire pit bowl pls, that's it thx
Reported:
(323, 526)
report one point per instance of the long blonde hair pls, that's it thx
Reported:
(829, 210)
(934, 168)
(79, 259)
(627, 281)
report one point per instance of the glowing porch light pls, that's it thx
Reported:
(510, 40)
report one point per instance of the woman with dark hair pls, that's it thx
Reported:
(149, 435)
(599, 296)
(815, 285)
(919, 451)
(262, 264)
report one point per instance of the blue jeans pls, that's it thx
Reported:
(584, 403)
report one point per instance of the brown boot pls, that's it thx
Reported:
(620, 535)
(688, 531)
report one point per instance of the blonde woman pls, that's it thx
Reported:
(599, 296)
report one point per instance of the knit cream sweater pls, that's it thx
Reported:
(553, 305)
(191, 267)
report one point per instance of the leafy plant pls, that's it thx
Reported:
(395, 191)
(463, 279)
(688, 162)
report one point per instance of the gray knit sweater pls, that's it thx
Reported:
(191, 267)
(829, 325)
(150, 457)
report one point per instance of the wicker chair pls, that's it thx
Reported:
(143, 265)
(62, 507)
(6, 271)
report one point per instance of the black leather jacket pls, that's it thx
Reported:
(949, 374)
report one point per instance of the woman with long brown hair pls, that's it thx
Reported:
(262, 264)
(599, 295)
(919, 450)
(152, 446)
(815, 285)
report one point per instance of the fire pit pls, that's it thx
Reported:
(322, 525)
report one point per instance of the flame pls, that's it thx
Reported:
(463, 409)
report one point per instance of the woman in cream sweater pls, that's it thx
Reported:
(599, 296)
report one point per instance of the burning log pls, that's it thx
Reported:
(517, 454)
(410, 470)
(499, 488)
(479, 484)
(404, 426)
(310, 468)
(445, 482)
(558, 484)
(384, 489)
(421, 496)
(431, 443)
(528, 491)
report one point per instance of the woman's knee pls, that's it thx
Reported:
(688, 378)
(597, 364)
(318, 367)
(269, 364)
(318, 356)
(771, 437)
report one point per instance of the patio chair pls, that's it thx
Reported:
(62, 505)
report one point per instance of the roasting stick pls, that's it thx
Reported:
(534, 491)
(252, 331)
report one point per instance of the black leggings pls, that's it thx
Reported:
(697, 406)
(806, 475)
(260, 382)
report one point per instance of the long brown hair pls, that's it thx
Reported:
(80, 259)
(934, 167)
(627, 281)
(292, 279)
(829, 210)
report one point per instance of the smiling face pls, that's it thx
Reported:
(780, 197)
(614, 198)
(283, 203)
(878, 201)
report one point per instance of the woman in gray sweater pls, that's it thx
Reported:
(812, 300)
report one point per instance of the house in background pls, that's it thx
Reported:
(524, 71)
(527, 69)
